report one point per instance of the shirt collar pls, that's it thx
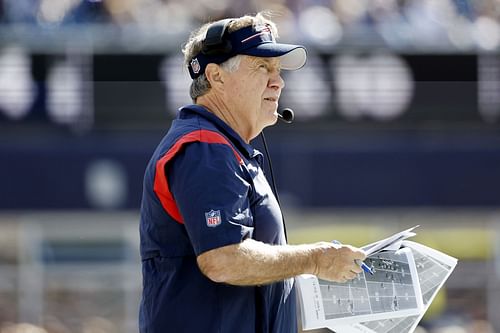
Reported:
(230, 133)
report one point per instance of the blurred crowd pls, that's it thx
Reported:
(53, 325)
(101, 325)
(461, 23)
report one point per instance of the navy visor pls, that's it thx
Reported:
(257, 41)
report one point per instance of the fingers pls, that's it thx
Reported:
(338, 263)
(350, 275)
(347, 277)
(357, 269)
(357, 254)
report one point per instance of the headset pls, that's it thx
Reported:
(216, 41)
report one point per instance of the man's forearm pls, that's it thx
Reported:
(255, 263)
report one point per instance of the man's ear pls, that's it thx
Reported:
(215, 75)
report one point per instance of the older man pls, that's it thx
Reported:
(213, 247)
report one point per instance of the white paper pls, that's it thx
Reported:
(392, 243)
(393, 300)
(433, 269)
(393, 291)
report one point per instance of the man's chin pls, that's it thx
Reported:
(273, 120)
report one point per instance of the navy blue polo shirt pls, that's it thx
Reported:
(204, 188)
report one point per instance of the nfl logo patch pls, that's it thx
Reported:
(213, 218)
(195, 66)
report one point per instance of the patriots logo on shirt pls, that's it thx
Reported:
(213, 218)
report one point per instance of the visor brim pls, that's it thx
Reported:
(292, 56)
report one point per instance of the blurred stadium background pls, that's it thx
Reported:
(397, 124)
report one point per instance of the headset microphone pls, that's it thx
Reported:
(286, 115)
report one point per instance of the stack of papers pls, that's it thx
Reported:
(392, 243)
(407, 277)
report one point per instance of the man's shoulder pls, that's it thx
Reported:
(185, 132)
(183, 129)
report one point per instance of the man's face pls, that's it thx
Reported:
(253, 91)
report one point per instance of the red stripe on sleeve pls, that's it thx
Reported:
(161, 183)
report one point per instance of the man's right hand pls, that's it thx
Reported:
(335, 262)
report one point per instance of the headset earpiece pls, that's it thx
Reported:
(216, 42)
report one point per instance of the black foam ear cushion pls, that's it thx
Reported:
(216, 41)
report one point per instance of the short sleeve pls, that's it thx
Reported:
(208, 186)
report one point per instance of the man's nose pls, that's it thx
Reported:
(276, 81)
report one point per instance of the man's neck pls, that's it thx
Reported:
(222, 110)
